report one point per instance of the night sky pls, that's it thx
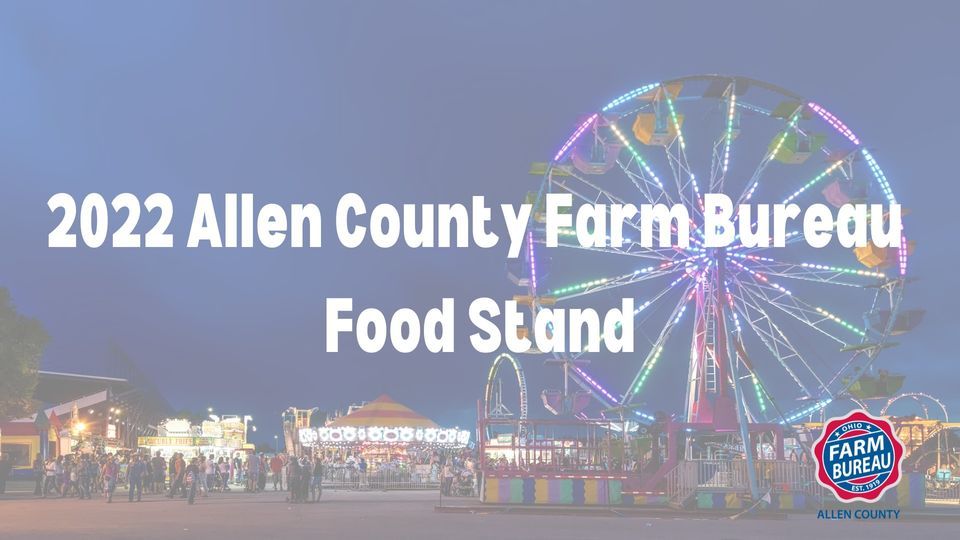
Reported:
(420, 102)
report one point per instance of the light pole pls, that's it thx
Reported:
(246, 418)
(77, 429)
(276, 449)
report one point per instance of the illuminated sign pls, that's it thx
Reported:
(165, 441)
(452, 437)
(175, 426)
(230, 428)
(211, 429)
(188, 442)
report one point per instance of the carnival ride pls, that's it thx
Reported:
(773, 333)
(292, 421)
(493, 394)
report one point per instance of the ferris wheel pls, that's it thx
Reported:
(783, 332)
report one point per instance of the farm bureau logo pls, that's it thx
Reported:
(858, 457)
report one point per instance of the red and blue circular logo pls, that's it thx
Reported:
(858, 457)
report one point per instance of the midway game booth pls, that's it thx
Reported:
(402, 448)
(219, 436)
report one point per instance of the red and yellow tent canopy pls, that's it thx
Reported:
(384, 412)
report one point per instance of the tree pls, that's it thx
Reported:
(195, 417)
(22, 341)
(264, 448)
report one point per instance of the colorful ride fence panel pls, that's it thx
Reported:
(910, 493)
(729, 500)
(571, 491)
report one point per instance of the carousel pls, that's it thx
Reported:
(384, 433)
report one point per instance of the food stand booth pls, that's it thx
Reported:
(220, 436)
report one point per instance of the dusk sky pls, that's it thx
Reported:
(421, 102)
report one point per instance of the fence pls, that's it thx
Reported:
(351, 478)
(943, 492)
(711, 474)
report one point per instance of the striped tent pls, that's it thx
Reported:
(384, 412)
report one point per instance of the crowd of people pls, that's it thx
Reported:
(84, 475)
(460, 476)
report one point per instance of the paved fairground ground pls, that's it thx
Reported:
(369, 514)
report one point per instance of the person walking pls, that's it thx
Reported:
(264, 465)
(147, 473)
(93, 469)
(85, 474)
(180, 470)
(177, 472)
(362, 466)
(209, 474)
(316, 486)
(59, 484)
(293, 477)
(237, 469)
(159, 473)
(5, 467)
(171, 468)
(109, 472)
(224, 467)
(252, 468)
(38, 475)
(447, 477)
(135, 474)
(306, 471)
(276, 468)
(122, 463)
(192, 477)
(76, 473)
(201, 478)
(98, 484)
(49, 476)
(70, 478)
